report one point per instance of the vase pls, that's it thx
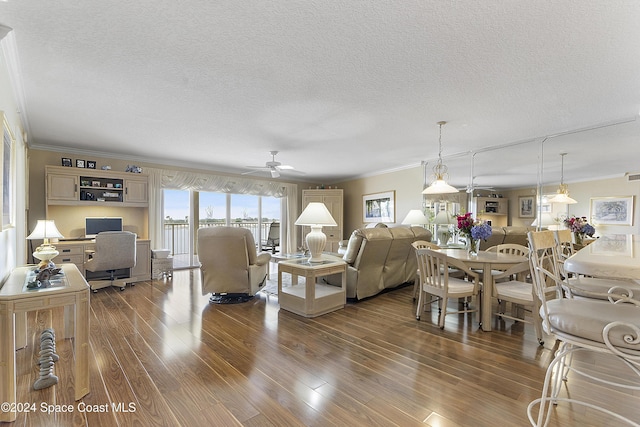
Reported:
(474, 246)
(578, 238)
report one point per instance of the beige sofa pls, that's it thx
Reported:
(510, 234)
(379, 258)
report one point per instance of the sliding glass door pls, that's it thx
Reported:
(185, 212)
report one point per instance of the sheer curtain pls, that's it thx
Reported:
(160, 179)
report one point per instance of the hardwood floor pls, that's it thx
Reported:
(164, 356)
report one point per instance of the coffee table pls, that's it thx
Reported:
(313, 299)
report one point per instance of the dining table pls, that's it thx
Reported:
(612, 256)
(485, 261)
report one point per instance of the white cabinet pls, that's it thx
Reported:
(86, 187)
(333, 200)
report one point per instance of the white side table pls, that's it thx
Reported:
(313, 299)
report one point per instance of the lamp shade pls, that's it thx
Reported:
(439, 186)
(443, 217)
(45, 229)
(316, 213)
(545, 220)
(563, 197)
(415, 216)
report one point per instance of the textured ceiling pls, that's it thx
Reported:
(341, 88)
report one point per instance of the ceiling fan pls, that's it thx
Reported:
(273, 167)
(471, 187)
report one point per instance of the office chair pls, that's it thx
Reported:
(115, 251)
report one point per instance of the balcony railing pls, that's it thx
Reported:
(176, 235)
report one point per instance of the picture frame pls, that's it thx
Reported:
(91, 164)
(611, 210)
(526, 207)
(66, 161)
(379, 207)
(80, 163)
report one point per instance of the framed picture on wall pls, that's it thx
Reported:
(79, 163)
(526, 207)
(379, 207)
(66, 162)
(611, 210)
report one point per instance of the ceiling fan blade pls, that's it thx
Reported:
(250, 172)
(285, 167)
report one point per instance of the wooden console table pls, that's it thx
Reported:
(313, 299)
(15, 302)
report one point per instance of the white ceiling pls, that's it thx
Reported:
(341, 88)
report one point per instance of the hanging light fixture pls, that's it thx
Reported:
(563, 190)
(439, 185)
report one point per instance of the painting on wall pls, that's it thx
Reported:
(379, 207)
(611, 210)
(526, 207)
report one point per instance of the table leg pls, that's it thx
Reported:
(7, 362)
(487, 293)
(82, 344)
(21, 330)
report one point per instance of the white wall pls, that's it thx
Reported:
(12, 239)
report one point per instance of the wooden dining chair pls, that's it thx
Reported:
(609, 328)
(434, 267)
(420, 244)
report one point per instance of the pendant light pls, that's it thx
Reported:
(439, 185)
(563, 190)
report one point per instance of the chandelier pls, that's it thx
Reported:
(439, 184)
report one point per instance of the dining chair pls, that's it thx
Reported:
(582, 325)
(580, 286)
(420, 244)
(435, 279)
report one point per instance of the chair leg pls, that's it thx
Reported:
(443, 311)
(420, 308)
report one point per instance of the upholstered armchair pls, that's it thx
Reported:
(115, 254)
(231, 269)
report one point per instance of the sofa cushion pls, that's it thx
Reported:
(517, 235)
(352, 248)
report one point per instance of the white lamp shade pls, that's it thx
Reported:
(546, 220)
(45, 229)
(415, 216)
(316, 213)
(563, 198)
(443, 217)
(439, 186)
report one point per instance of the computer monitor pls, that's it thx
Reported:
(94, 225)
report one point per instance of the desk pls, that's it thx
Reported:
(485, 261)
(615, 256)
(313, 299)
(14, 305)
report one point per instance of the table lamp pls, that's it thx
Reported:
(45, 229)
(442, 220)
(547, 221)
(315, 215)
(415, 217)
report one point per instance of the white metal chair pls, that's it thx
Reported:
(115, 254)
(582, 325)
(273, 237)
(434, 270)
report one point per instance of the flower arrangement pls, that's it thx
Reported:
(473, 228)
(580, 225)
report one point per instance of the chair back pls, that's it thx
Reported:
(512, 249)
(564, 242)
(225, 254)
(544, 268)
(422, 244)
(114, 250)
(434, 268)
